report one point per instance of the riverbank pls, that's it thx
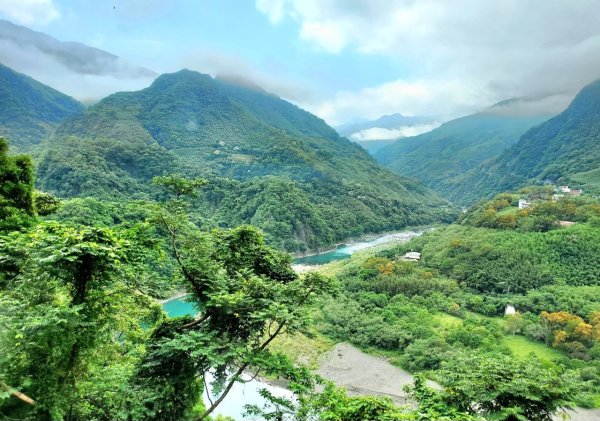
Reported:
(366, 238)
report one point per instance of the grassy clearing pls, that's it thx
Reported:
(521, 347)
(300, 348)
(446, 322)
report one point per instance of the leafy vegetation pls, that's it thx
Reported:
(30, 110)
(438, 157)
(268, 162)
(563, 150)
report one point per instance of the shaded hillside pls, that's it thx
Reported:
(29, 110)
(565, 150)
(438, 157)
(320, 187)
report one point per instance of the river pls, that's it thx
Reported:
(344, 251)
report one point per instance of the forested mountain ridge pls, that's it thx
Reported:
(316, 187)
(29, 110)
(565, 150)
(436, 158)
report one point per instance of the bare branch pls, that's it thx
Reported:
(17, 394)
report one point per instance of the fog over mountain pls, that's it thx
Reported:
(84, 72)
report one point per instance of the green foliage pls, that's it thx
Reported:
(439, 158)
(69, 311)
(268, 163)
(178, 185)
(29, 110)
(45, 203)
(16, 190)
(508, 261)
(543, 214)
(504, 388)
(563, 150)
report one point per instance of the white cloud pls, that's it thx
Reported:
(270, 77)
(47, 69)
(436, 97)
(29, 12)
(378, 133)
(274, 9)
(486, 51)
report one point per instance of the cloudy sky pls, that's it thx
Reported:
(348, 59)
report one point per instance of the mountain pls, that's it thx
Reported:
(392, 121)
(74, 56)
(81, 71)
(269, 162)
(375, 134)
(29, 110)
(565, 150)
(436, 158)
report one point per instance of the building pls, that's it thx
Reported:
(510, 310)
(565, 223)
(412, 256)
(564, 189)
(576, 192)
(523, 204)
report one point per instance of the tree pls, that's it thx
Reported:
(515, 323)
(504, 388)
(16, 190)
(69, 312)
(247, 294)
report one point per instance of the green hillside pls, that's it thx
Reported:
(29, 110)
(321, 188)
(438, 157)
(565, 150)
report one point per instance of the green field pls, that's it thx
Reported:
(521, 347)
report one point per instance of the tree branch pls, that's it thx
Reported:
(238, 373)
(17, 394)
(196, 322)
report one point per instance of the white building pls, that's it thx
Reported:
(523, 204)
(412, 256)
(564, 189)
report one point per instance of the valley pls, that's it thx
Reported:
(263, 210)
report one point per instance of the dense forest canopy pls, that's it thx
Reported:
(269, 162)
(440, 157)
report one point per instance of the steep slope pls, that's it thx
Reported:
(29, 110)
(438, 157)
(565, 149)
(269, 162)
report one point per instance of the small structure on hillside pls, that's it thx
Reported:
(566, 223)
(523, 204)
(412, 256)
(509, 310)
(564, 189)
(556, 197)
(576, 192)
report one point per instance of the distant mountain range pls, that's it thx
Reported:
(29, 110)
(373, 135)
(438, 157)
(268, 162)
